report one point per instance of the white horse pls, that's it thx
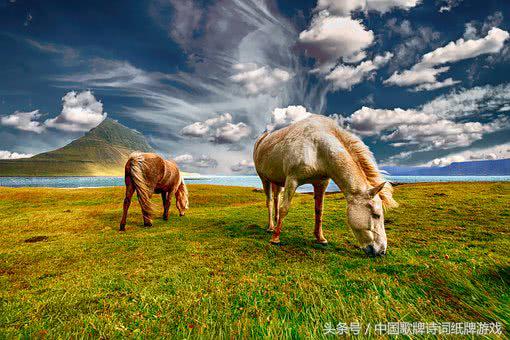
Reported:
(315, 150)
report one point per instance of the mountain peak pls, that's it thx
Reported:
(101, 151)
(110, 123)
(114, 133)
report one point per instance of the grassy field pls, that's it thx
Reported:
(213, 272)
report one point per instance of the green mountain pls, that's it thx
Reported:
(102, 151)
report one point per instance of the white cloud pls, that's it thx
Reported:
(334, 35)
(448, 5)
(465, 49)
(26, 121)
(368, 100)
(257, 79)
(368, 121)
(202, 129)
(197, 129)
(416, 76)
(436, 85)
(476, 29)
(80, 112)
(356, 58)
(231, 133)
(345, 7)
(219, 120)
(183, 159)
(501, 151)
(448, 121)
(384, 6)
(443, 134)
(345, 76)
(186, 19)
(13, 155)
(425, 72)
(113, 73)
(469, 102)
(342, 8)
(205, 161)
(404, 28)
(67, 53)
(188, 161)
(470, 32)
(491, 21)
(330, 38)
(219, 129)
(281, 117)
(244, 166)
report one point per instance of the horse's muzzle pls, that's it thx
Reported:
(370, 251)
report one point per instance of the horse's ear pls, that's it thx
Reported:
(375, 190)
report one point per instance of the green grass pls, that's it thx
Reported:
(213, 272)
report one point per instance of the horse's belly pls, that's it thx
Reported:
(271, 173)
(303, 170)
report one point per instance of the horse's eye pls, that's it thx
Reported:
(376, 216)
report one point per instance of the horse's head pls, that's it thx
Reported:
(365, 216)
(181, 198)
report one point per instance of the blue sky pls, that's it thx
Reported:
(422, 82)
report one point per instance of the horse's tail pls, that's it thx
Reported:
(143, 192)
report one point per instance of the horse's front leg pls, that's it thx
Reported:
(269, 204)
(319, 192)
(130, 189)
(167, 199)
(290, 188)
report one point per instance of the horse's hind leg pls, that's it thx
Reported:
(290, 188)
(319, 191)
(269, 203)
(130, 189)
(276, 198)
(167, 199)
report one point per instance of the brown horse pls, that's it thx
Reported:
(148, 173)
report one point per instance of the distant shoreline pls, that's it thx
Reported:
(201, 177)
(252, 182)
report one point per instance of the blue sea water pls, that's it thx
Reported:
(244, 181)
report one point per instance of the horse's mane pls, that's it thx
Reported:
(365, 160)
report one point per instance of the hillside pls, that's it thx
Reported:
(499, 167)
(102, 151)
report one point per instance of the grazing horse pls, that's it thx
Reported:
(148, 173)
(315, 150)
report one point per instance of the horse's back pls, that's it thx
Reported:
(151, 165)
(300, 149)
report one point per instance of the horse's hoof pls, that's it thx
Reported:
(322, 243)
(270, 230)
(122, 227)
(148, 225)
(165, 218)
(276, 243)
